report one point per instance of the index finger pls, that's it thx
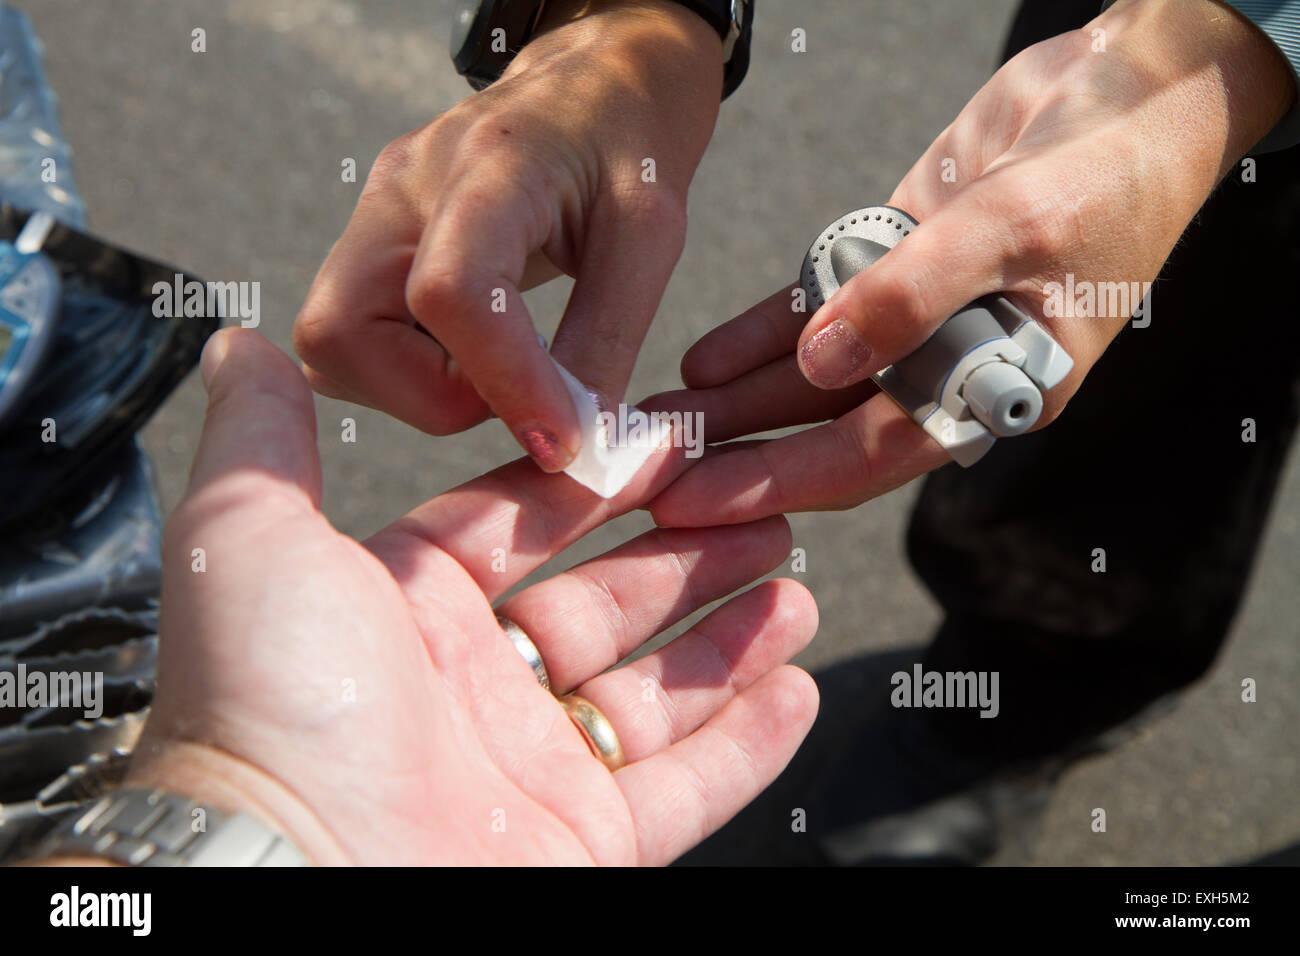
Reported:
(464, 288)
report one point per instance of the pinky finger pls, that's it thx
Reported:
(687, 791)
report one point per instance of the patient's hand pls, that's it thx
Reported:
(362, 698)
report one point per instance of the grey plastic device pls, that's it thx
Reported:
(979, 377)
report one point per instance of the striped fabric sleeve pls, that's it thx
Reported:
(1279, 20)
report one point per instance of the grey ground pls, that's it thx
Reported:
(227, 164)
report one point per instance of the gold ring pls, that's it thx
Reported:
(526, 648)
(596, 728)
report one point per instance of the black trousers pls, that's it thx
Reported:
(1147, 463)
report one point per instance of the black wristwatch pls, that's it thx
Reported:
(486, 36)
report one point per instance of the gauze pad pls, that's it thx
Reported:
(601, 464)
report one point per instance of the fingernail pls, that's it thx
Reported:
(214, 353)
(598, 399)
(835, 357)
(544, 448)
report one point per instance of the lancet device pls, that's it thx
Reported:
(979, 377)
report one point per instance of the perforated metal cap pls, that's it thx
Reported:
(847, 246)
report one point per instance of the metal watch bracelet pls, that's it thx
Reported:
(156, 828)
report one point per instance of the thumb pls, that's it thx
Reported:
(888, 310)
(261, 421)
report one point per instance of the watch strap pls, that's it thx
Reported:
(734, 22)
(156, 828)
(487, 36)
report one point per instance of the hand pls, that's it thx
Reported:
(362, 699)
(540, 173)
(1071, 160)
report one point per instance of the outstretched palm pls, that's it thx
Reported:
(373, 682)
